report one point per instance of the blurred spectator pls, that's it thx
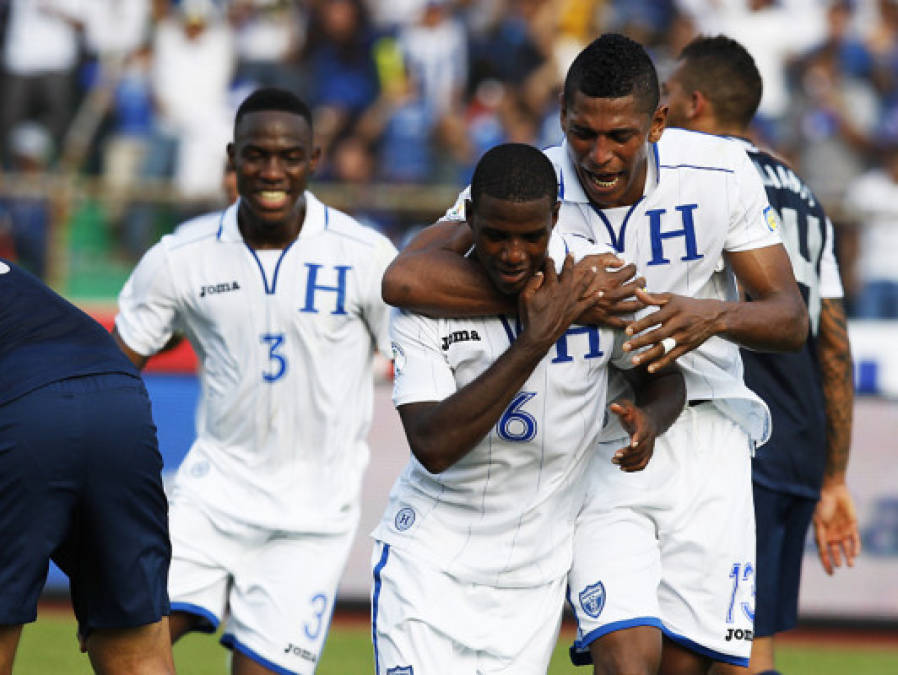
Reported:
(40, 57)
(872, 202)
(435, 48)
(25, 216)
(340, 66)
(269, 37)
(834, 117)
(192, 68)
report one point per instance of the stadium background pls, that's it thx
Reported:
(406, 95)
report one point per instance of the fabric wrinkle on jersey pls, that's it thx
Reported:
(286, 362)
(794, 459)
(503, 514)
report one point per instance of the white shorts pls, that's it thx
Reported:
(672, 546)
(277, 589)
(427, 622)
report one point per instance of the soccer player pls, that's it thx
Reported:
(800, 472)
(501, 414)
(691, 211)
(80, 482)
(279, 296)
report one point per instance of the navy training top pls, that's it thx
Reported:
(794, 458)
(44, 338)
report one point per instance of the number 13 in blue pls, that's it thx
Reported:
(277, 362)
(747, 574)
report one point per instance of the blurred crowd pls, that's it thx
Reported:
(414, 91)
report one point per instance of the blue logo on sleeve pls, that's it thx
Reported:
(405, 518)
(401, 670)
(592, 599)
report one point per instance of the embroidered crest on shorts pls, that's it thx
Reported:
(592, 599)
(401, 670)
(405, 518)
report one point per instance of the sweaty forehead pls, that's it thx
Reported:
(273, 124)
(624, 111)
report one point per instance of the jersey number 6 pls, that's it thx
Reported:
(516, 424)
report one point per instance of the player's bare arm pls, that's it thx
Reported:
(835, 520)
(441, 433)
(659, 400)
(432, 276)
(776, 318)
(138, 360)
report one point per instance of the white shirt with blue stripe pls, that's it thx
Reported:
(702, 198)
(503, 514)
(286, 354)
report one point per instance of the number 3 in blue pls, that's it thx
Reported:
(516, 424)
(278, 362)
(319, 604)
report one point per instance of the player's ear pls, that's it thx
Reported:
(556, 207)
(469, 213)
(314, 159)
(659, 120)
(700, 105)
(230, 152)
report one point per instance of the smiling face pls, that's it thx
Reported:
(607, 143)
(273, 157)
(511, 238)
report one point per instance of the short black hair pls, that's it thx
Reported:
(614, 66)
(726, 74)
(516, 172)
(272, 98)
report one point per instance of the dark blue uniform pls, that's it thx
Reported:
(80, 470)
(788, 470)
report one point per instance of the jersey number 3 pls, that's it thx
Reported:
(277, 362)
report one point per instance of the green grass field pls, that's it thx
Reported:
(48, 647)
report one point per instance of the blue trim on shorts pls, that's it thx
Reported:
(231, 642)
(684, 641)
(201, 612)
(594, 635)
(374, 600)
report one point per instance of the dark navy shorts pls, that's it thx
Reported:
(782, 525)
(80, 483)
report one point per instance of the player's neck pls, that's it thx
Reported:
(261, 235)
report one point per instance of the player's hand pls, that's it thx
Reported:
(550, 302)
(835, 527)
(636, 455)
(688, 322)
(612, 283)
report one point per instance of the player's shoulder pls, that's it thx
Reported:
(351, 232)
(686, 149)
(556, 155)
(202, 228)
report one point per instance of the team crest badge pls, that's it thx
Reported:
(772, 219)
(401, 670)
(405, 518)
(398, 357)
(592, 599)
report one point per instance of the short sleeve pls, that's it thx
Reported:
(830, 279)
(753, 222)
(148, 304)
(421, 372)
(377, 312)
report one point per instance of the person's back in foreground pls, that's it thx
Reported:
(80, 482)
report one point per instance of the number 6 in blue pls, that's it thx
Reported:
(516, 424)
(279, 363)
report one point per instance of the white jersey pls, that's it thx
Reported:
(286, 351)
(702, 197)
(503, 514)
